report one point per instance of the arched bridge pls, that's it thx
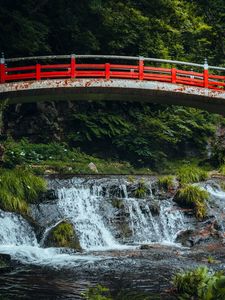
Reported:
(73, 77)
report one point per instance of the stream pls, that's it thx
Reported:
(129, 244)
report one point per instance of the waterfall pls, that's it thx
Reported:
(82, 205)
(216, 205)
(88, 207)
(14, 230)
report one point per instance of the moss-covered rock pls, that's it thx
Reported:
(63, 235)
(117, 203)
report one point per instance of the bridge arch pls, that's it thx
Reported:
(118, 82)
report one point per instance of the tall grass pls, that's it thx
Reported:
(19, 187)
(192, 196)
(191, 174)
(166, 182)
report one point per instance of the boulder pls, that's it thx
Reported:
(205, 235)
(93, 167)
(63, 235)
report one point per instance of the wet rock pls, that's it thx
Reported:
(117, 203)
(63, 235)
(206, 235)
(48, 196)
(147, 247)
(5, 262)
(186, 238)
(154, 207)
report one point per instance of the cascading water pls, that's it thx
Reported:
(14, 230)
(82, 205)
(217, 196)
(106, 215)
(88, 205)
(89, 208)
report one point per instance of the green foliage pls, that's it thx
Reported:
(200, 284)
(60, 158)
(179, 29)
(211, 260)
(141, 190)
(63, 235)
(25, 152)
(98, 292)
(222, 169)
(191, 174)
(19, 187)
(192, 196)
(144, 134)
(117, 203)
(166, 182)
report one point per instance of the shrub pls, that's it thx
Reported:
(200, 284)
(191, 174)
(192, 196)
(166, 182)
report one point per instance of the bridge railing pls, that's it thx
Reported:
(139, 68)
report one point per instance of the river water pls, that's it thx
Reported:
(112, 225)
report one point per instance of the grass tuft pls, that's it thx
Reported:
(190, 174)
(192, 196)
(19, 187)
(166, 182)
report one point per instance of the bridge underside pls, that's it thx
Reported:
(114, 90)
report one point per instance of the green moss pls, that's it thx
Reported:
(117, 203)
(191, 174)
(166, 182)
(195, 197)
(19, 187)
(200, 284)
(63, 235)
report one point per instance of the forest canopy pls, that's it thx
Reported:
(145, 134)
(175, 29)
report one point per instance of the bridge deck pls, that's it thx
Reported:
(136, 81)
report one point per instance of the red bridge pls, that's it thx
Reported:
(64, 77)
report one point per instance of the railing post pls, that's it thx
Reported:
(107, 71)
(206, 74)
(38, 72)
(2, 70)
(73, 66)
(141, 68)
(173, 75)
